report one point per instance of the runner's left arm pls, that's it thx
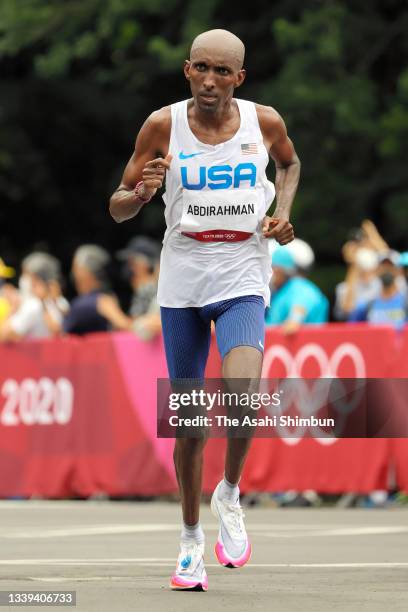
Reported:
(287, 163)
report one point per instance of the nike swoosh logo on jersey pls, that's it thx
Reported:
(183, 156)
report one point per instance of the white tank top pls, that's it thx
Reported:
(216, 197)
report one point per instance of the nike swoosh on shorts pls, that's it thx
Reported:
(183, 156)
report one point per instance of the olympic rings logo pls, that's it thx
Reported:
(309, 398)
(230, 236)
(329, 366)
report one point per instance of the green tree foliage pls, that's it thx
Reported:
(80, 77)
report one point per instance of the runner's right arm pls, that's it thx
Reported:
(148, 163)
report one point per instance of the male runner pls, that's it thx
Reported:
(213, 150)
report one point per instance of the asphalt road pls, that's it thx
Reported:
(118, 556)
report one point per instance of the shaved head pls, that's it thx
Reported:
(220, 42)
(214, 70)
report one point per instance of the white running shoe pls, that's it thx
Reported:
(233, 549)
(190, 572)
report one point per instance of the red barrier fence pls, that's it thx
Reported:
(78, 416)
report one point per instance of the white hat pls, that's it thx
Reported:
(391, 256)
(301, 251)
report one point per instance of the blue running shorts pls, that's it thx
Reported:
(187, 332)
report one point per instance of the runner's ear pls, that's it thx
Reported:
(240, 77)
(187, 65)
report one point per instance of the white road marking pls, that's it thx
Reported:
(29, 505)
(84, 579)
(154, 562)
(85, 530)
(263, 530)
(119, 561)
(341, 531)
(108, 529)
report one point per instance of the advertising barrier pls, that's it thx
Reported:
(78, 417)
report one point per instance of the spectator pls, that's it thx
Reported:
(38, 315)
(390, 307)
(403, 263)
(361, 284)
(5, 303)
(141, 260)
(95, 309)
(295, 300)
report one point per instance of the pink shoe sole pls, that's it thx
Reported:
(178, 584)
(227, 561)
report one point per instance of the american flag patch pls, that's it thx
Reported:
(249, 149)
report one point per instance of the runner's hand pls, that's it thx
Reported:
(280, 229)
(153, 175)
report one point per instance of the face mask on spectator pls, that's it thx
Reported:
(387, 279)
(126, 273)
(25, 286)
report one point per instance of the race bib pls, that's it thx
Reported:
(230, 216)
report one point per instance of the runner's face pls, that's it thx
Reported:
(213, 78)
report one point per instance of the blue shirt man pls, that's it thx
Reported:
(295, 300)
(390, 307)
(383, 311)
